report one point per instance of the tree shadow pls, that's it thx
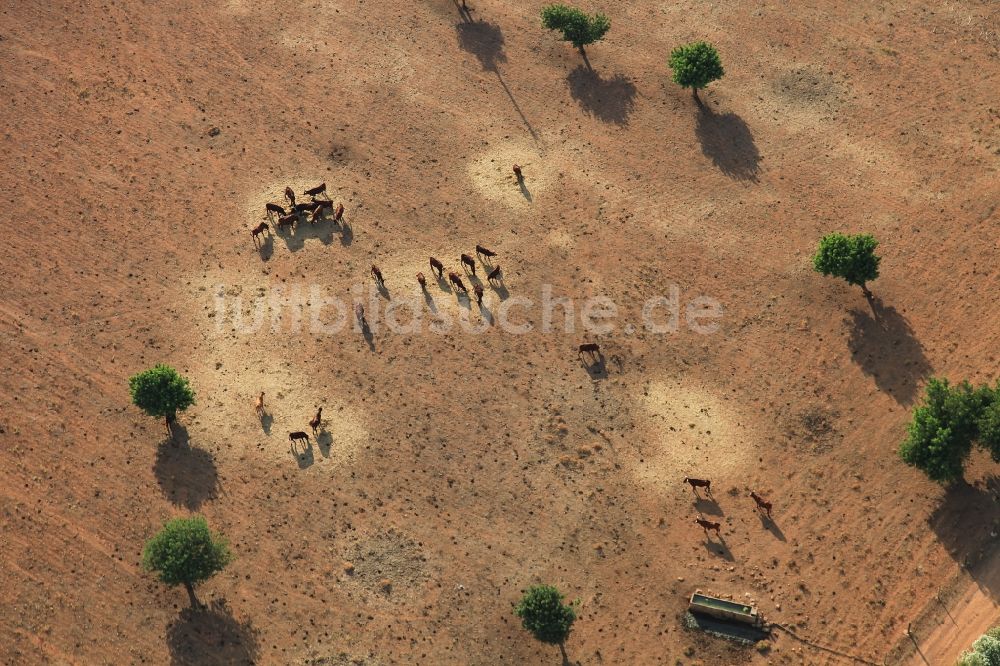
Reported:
(609, 100)
(883, 344)
(709, 506)
(483, 40)
(964, 522)
(210, 636)
(727, 141)
(187, 475)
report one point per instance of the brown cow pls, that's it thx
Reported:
(591, 348)
(422, 281)
(437, 266)
(290, 196)
(313, 191)
(259, 405)
(359, 312)
(324, 203)
(494, 275)
(315, 216)
(377, 274)
(306, 206)
(699, 483)
(478, 289)
(287, 221)
(297, 435)
(316, 420)
(457, 281)
(468, 261)
(709, 525)
(258, 230)
(339, 213)
(762, 504)
(274, 208)
(517, 173)
(483, 252)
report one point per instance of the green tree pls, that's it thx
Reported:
(185, 552)
(989, 431)
(943, 429)
(850, 257)
(695, 65)
(161, 392)
(989, 648)
(576, 26)
(544, 614)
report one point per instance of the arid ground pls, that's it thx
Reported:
(140, 142)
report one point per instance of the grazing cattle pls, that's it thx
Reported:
(359, 313)
(422, 280)
(259, 405)
(274, 208)
(478, 289)
(468, 261)
(494, 275)
(457, 281)
(699, 483)
(307, 206)
(316, 215)
(324, 204)
(591, 348)
(258, 230)
(709, 525)
(517, 173)
(316, 420)
(437, 266)
(287, 221)
(290, 196)
(377, 274)
(483, 252)
(313, 191)
(762, 504)
(295, 436)
(339, 213)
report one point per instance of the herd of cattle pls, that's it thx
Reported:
(315, 208)
(763, 506)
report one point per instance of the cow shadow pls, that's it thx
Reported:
(211, 635)
(296, 239)
(324, 440)
(884, 346)
(525, 192)
(708, 506)
(368, 336)
(266, 422)
(429, 301)
(963, 525)
(720, 548)
(346, 234)
(726, 140)
(771, 526)
(487, 316)
(597, 368)
(609, 100)
(382, 290)
(305, 458)
(266, 247)
(187, 475)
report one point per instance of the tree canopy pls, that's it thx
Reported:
(185, 552)
(695, 65)
(160, 391)
(852, 258)
(544, 614)
(945, 426)
(576, 26)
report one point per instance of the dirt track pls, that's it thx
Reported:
(465, 467)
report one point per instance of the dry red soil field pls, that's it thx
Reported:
(140, 142)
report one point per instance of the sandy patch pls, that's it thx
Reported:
(694, 432)
(493, 176)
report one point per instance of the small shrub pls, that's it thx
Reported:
(544, 614)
